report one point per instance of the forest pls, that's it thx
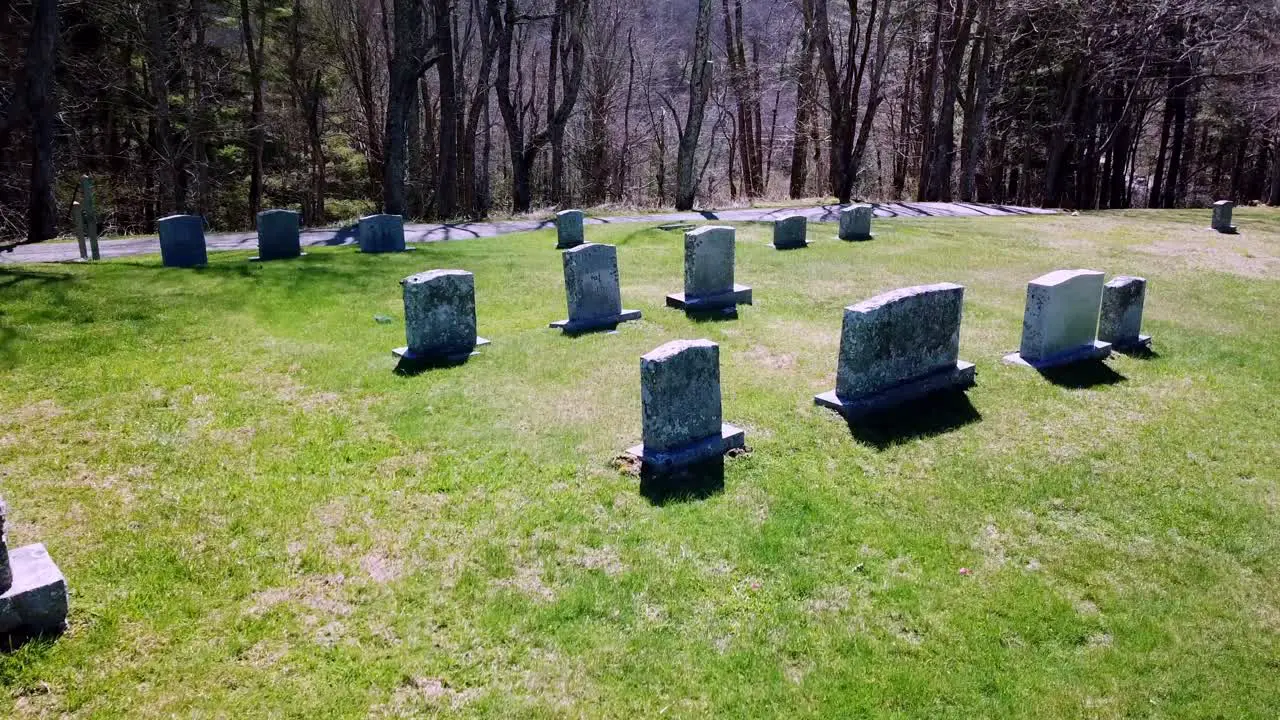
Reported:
(451, 109)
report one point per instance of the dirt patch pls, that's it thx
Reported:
(762, 356)
(381, 568)
(528, 581)
(604, 559)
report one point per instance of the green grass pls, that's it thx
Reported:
(258, 518)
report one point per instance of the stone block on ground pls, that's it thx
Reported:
(381, 233)
(1060, 322)
(789, 232)
(899, 346)
(855, 222)
(593, 289)
(182, 241)
(709, 272)
(1120, 322)
(439, 316)
(36, 602)
(278, 235)
(569, 229)
(1222, 216)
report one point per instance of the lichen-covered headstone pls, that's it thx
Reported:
(568, 229)
(680, 401)
(278, 235)
(182, 241)
(593, 290)
(897, 347)
(708, 273)
(789, 232)
(1060, 323)
(1222, 216)
(381, 233)
(855, 222)
(1120, 322)
(440, 316)
(33, 592)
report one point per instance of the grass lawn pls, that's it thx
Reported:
(258, 518)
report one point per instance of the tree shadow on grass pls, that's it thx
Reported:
(690, 484)
(1082, 375)
(928, 416)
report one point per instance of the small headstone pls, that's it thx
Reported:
(708, 273)
(593, 291)
(381, 233)
(680, 401)
(1060, 323)
(789, 232)
(1120, 322)
(855, 222)
(33, 592)
(278, 235)
(568, 229)
(440, 317)
(182, 241)
(1222, 216)
(897, 347)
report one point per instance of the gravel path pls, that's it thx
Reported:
(423, 233)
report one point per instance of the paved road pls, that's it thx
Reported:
(60, 252)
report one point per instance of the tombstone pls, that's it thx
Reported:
(381, 233)
(1222, 217)
(568, 229)
(592, 289)
(1120, 322)
(440, 317)
(897, 347)
(182, 241)
(89, 216)
(680, 401)
(708, 273)
(278, 235)
(33, 592)
(789, 232)
(855, 222)
(1060, 323)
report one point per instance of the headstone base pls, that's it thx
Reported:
(960, 377)
(740, 295)
(259, 258)
(801, 244)
(608, 322)
(37, 602)
(730, 437)
(567, 246)
(406, 248)
(1142, 342)
(858, 238)
(1228, 230)
(1099, 350)
(405, 353)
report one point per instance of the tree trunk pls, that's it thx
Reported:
(257, 129)
(805, 103)
(447, 155)
(42, 219)
(699, 92)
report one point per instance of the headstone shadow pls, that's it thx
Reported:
(689, 484)
(1082, 375)
(1140, 352)
(412, 367)
(928, 416)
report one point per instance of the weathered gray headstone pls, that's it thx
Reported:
(182, 241)
(568, 229)
(593, 291)
(1060, 323)
(1120, 322)
(381, 233)
(680, 401)
(1222, 216)
(440, 316)
(708, 273)
(897, 347)
(855, 222)
(789, 232)
(278, 235)
(33, 593)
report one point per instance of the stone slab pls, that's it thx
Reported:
(569, 229)
(789, 233)
(1099, 350)
(960, 376)
(182, 241)
(1120, 320)
(592, 286)
(729, 438)
(381, 233)
(680, 394)
(36, 604)
(278, 235)
(609, 322)
(1222, 217)
(709, 261)
(440, 312)
(898, 336)
(855, 222)
(1061, 313)
(740, 295)
(405, 353)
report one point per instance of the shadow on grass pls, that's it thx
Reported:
(711, 316)
(413, 367)
(41, 643)
(1139, 352)
(1081, 375)
(690, 484)
(931, 415)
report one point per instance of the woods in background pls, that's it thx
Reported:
(444, 109)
